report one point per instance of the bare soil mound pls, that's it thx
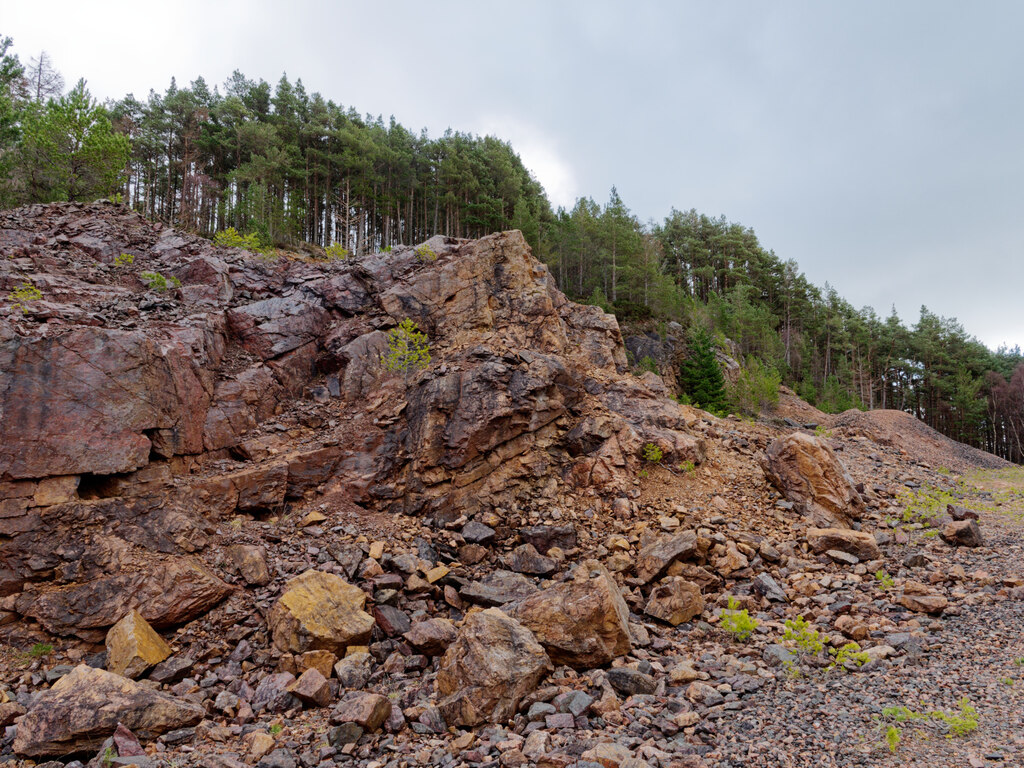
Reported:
(800, 411)
(922, 443)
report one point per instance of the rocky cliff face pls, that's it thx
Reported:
(133, 420)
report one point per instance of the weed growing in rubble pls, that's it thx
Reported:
(23, 293)
(848, 654)
(893, 738)
(157, 282)
(885, 581)
(652, 453)
(738, 622)
(953, 724)
(687, 467)
(806, 638)
(124, 260)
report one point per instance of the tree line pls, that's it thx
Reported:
(288, 167)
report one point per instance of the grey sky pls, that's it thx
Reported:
(877, 143)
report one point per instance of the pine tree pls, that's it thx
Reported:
(702, 377)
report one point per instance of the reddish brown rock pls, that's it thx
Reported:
(311, 689)
(84, 707)
(807, 472)
(170, 592)
(860, 544)
(963, 533)
(367, 710)
(432, 636)
(675, 601)
(493, 663)
(583, 623)
(656, 558)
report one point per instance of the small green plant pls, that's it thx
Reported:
(643, 474)
(893, 738)
(942, 471)
(386, 249)
(425, 253)
(276, 728)
(885, 581)
(738, 622)
(848, 654)
(820, 431)
(107, 758)
(652, 453)
(335, 252)
(40, 650)
(686, 467)
(806, 638)
(124, 260)
(1019, 661)
(956, 724)
(648, 363)
(157, 282)
(230, 238)
(1007, 680)
(408, 349)
(23, 293)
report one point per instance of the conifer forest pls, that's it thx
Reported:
(298, 171)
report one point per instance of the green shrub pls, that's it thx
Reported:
(230, 238)
(893, 738)
(408, 349)
(756, 388)
(124, 260)
(652, 453)
(701, 375)
(686, 467)
(806, 638)
(425, 253)
(40, 649)
(157, 282)
(648, 363)
(738, 622)
(850, 652)
(885, 581)
(335, 252)
(23, 293)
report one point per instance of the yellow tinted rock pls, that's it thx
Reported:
(320, 611)
(133, 646)
(56, 490)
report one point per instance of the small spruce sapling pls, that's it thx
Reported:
(738, 621)
(408, 349)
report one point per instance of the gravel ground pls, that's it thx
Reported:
(834, 720)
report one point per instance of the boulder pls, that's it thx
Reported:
(168, 592)
(860, 544)
(963, 533)
(526, 559)
(498, 588)
(320, 611)
(675, 601)
(133, 646)
(493, 664)
(311, 689)
(251, 563)
(432, 636)
(924, 603)
(367, 710)
(84, 707)
(583, 623)
(656, 558)
(806, 471)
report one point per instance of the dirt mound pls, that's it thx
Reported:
(922, 443)
(796, 410)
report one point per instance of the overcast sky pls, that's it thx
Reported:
(879, 144)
